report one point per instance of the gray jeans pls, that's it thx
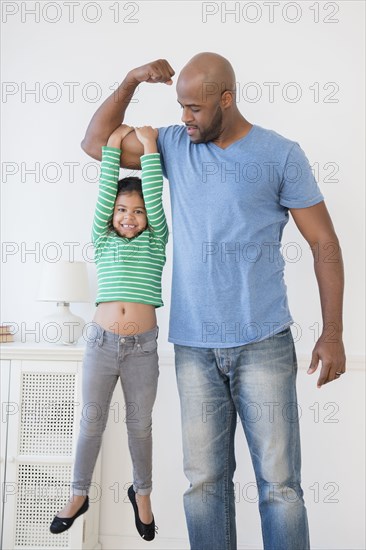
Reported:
(134, 359)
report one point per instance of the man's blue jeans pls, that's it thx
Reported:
(257, 381)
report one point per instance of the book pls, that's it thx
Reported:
(5, 329)
(6, 338)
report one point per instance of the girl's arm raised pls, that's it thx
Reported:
(109, 175)
(152, 182)
(108, 180)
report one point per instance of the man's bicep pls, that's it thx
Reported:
(132, 150)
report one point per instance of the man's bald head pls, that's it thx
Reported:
(210, 72)
(206, 93)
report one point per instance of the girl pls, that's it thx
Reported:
(130, 234)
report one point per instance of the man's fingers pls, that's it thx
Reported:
(333, 361)
(171, 73)
(170, 68)
(125, 134)
(328, 373)
(314, 363)
(324, 373)
(323, 378)
(167, 70)
(159, 77)
(161, 71)
(153, 72)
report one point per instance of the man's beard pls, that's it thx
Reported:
(213, 131)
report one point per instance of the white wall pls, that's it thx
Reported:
(321, 54)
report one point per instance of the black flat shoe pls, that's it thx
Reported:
(59, 525)
(146, 531)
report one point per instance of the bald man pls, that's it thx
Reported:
(232, 187)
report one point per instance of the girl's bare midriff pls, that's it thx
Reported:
(127, 318)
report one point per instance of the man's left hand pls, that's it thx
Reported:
(329, 350)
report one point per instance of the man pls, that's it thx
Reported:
(232, 185)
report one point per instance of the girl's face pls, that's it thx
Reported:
(129, 217)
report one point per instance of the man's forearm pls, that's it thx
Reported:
(108, 117)
(329, 347)
(328, 265)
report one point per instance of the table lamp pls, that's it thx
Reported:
(63, 282)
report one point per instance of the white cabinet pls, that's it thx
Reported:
(40, 413)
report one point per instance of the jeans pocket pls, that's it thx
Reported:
(148, 347)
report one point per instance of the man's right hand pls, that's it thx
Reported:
(153, 72)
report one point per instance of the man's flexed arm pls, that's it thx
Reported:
(111, 113)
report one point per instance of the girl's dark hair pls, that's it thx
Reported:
(131, 184)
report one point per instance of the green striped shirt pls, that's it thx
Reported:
(129, 270)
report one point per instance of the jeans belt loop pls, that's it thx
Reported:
(101, 338)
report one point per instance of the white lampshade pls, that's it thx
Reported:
(64, 281)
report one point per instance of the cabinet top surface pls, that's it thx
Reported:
(19, 350)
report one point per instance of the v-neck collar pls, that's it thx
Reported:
(212, 144)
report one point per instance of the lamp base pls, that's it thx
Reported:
(63, 327)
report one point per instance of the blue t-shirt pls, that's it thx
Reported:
(229, 209)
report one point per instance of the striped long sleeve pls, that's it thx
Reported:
(108, 181)
(152, 187)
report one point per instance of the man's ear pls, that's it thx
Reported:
(227, 99)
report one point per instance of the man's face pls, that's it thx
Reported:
(201, 115)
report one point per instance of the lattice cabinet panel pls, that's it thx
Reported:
(42, 489)
(41, 405)
(47, 413)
